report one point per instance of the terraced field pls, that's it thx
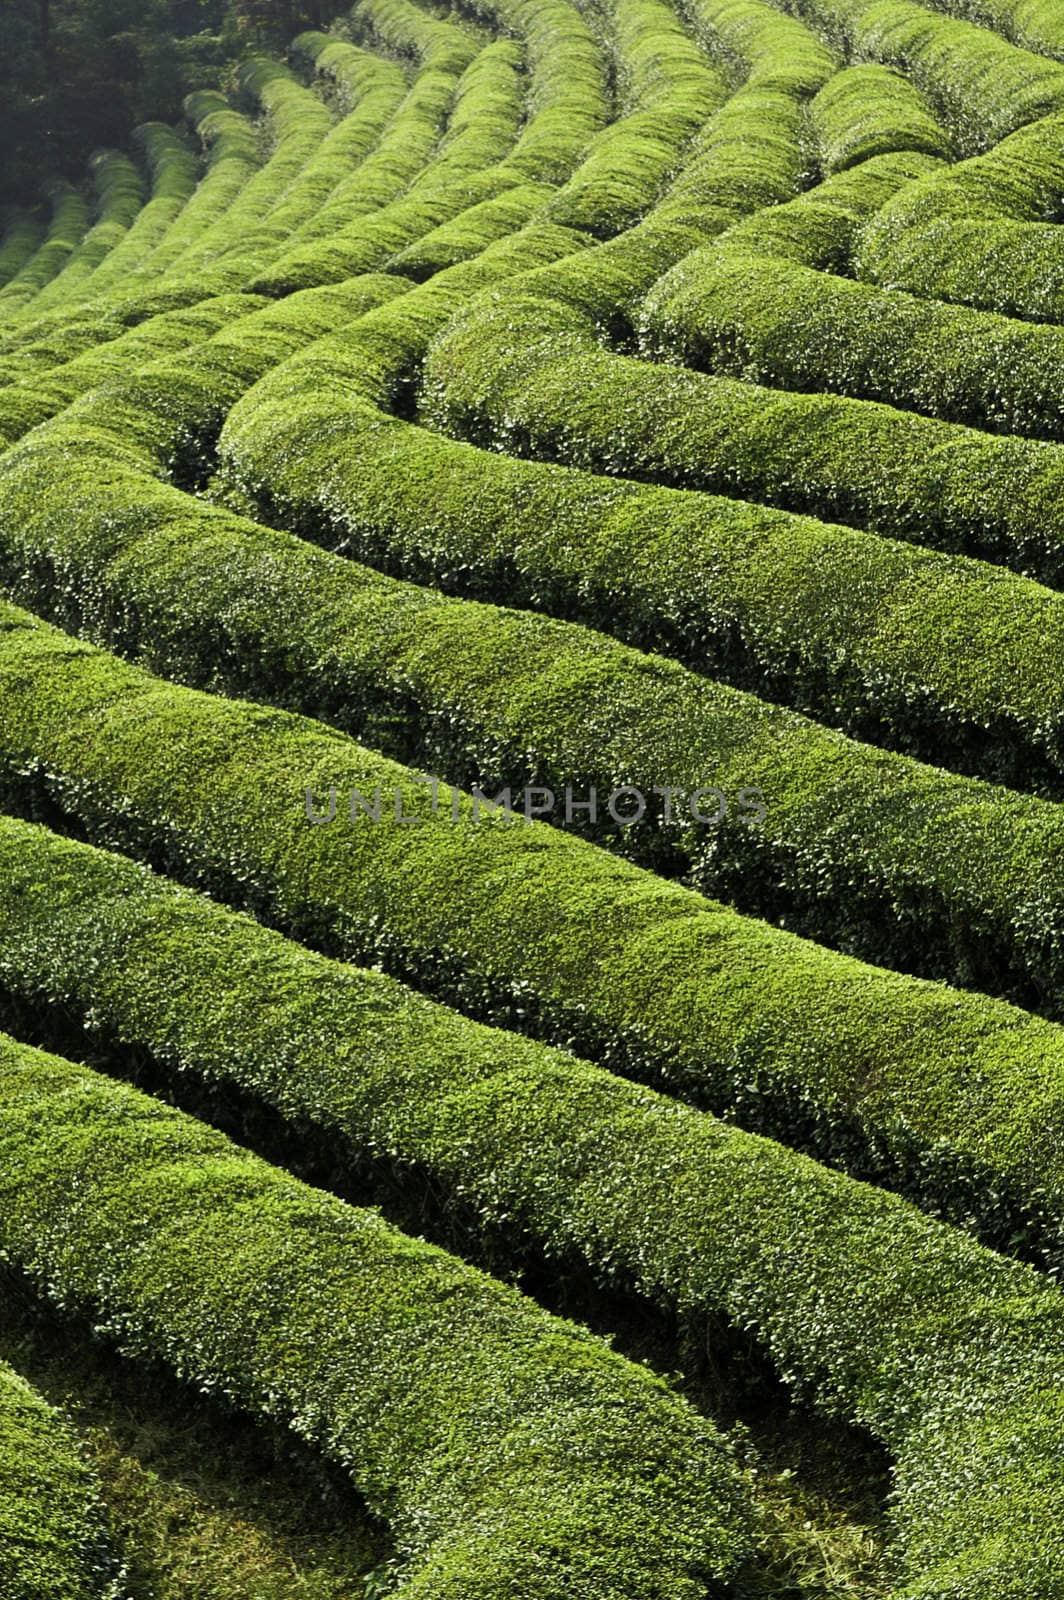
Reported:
(531, 848)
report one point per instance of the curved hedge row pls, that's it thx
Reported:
(25, 405)
(377, 86)
(818, 227)
(119, 190)
(982, 87)
(759, 123)
(334, 244)
(762, 47)
(21, 237)
(858, 845)
(868, 111)
(53, 1536)
(566, 63)
(298, 123)
(183, 286)
(977, 234)
(876, 1066)
(744, 309)
(365, 92)
(472, 231)
(233, 156)
(941, 655)
(1034, 24)
(508, 1450)
(174, 171)
(68, 223)
(948, 1353)
(468, 173)
(667, 94)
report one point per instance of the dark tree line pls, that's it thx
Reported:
(76, 74)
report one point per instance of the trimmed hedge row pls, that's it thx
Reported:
(67, 225)
(977, 235)
(751, 153)
(467, 171)
(174, 406)
(869, 111)
(25, 405)
(486, 117)
(855, 845)
(53, 1536)
(561, 50)
(763, 48)
(174, 171)
(667, 94)
(183, 286)
(751, 313)
(330, 248)
(947, 1353)
(471, 232)
(937, 654)
(298, 122)
(818, 227)
(896, 472)
(981, 87)
(22, 236)
(509, 1451)
(233, 156)
(872, 1066)
(378, 85)
(120, 194)
(599, 281)
(391, 344)
(566, 63)
(1034, 24)
(366, 92)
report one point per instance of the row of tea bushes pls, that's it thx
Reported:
(508, 1451)
(119, 198)
(818, 227)
(861, 847)
(871, 110)
(25, 405)
(22, 234)
(737, 162)
(982, 233)
(948, 1354)
(668, 94)
(872, 1065)
(567, 63)
(1034, 24)
(67, 225)
(53, 1535)
(894, 472)
(979, 85)
(101, 324)
(753, 313)
(763, 47)
(298, 122)
(175, 170)
(232, 157)
(468, 188)
(228, 212)
(332, 245)
(472, 231)
(930, 652)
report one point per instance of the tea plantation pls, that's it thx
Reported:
(532, 815)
